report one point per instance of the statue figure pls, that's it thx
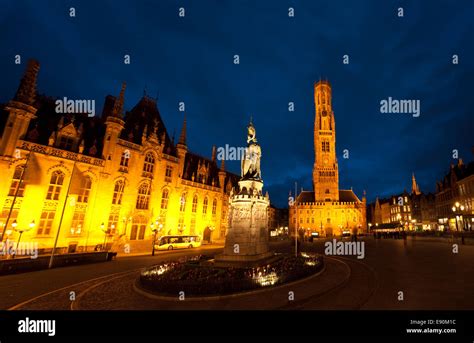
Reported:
(250, 168)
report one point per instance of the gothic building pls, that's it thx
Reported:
(412, 210)
(327, 210)
(110, 178)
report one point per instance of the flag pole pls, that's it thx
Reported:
(61, 219)
(15, 196)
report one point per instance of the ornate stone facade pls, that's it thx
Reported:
(103, 178)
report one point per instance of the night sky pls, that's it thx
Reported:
(191, 59)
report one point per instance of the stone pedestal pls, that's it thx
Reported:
(247, 236)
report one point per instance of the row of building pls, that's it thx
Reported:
(450, 208)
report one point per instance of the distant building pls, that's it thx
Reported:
(277, 221)
(410, 211)
(455, 198)
(326, 210)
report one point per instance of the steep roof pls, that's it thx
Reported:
(192, 164)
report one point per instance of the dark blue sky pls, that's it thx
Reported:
(190, 59)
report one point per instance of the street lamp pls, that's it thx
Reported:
(125, 221)
(155, 228)
(102, 227)
(15, 225)
(458, 209)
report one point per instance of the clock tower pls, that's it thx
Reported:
(325, 170)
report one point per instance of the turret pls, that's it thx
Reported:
(20, 110)
(114, 125)
(222, 174)
(181, 147)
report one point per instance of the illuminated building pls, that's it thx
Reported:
(326, 210)
(455, 198)
(103, 179)
(408, 211)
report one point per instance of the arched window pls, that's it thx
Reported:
(182, 202)
(149, 163)
(16, 187)
(118, 192)
(204, 205)
(85, 190)
(195, 204)
(214, 207)
(164, 199)
(143, 197)
(55, 185)
(125, 159)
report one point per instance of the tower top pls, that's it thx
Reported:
(322, 82)
(182, 136)
(26, 92)
(118, 105)
(414, 186)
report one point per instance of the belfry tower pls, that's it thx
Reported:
(325, 170)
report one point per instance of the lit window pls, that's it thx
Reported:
(4, 216)
(143, 197)
(125, 159)
(169, 171)
(16, 188)
(85, 190)
(138, 228)
(182, 202)
(149, 163)
(204, 205)
(55, 185)
(164, 199)
(77, 223)
(113, 223)
(195, 203)
(46, 222)
(118, 192)
(214, 207)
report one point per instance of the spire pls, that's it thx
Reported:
(223, 164)
(118, 106)
(414, 186)
(182, 136)
(26, 92)
(214, 151)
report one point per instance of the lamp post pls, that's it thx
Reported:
(155, 228)
(458, 209)
(125, 221)
(15, 225)
(102, 227)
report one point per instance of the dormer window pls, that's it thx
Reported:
(66, 142)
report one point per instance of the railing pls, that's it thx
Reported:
(52, 151)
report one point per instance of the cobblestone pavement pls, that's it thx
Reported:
(429, 274)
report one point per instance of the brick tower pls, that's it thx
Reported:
(325, 170)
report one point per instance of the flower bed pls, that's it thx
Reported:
(191, 277)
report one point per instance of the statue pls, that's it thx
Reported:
(250, 168)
